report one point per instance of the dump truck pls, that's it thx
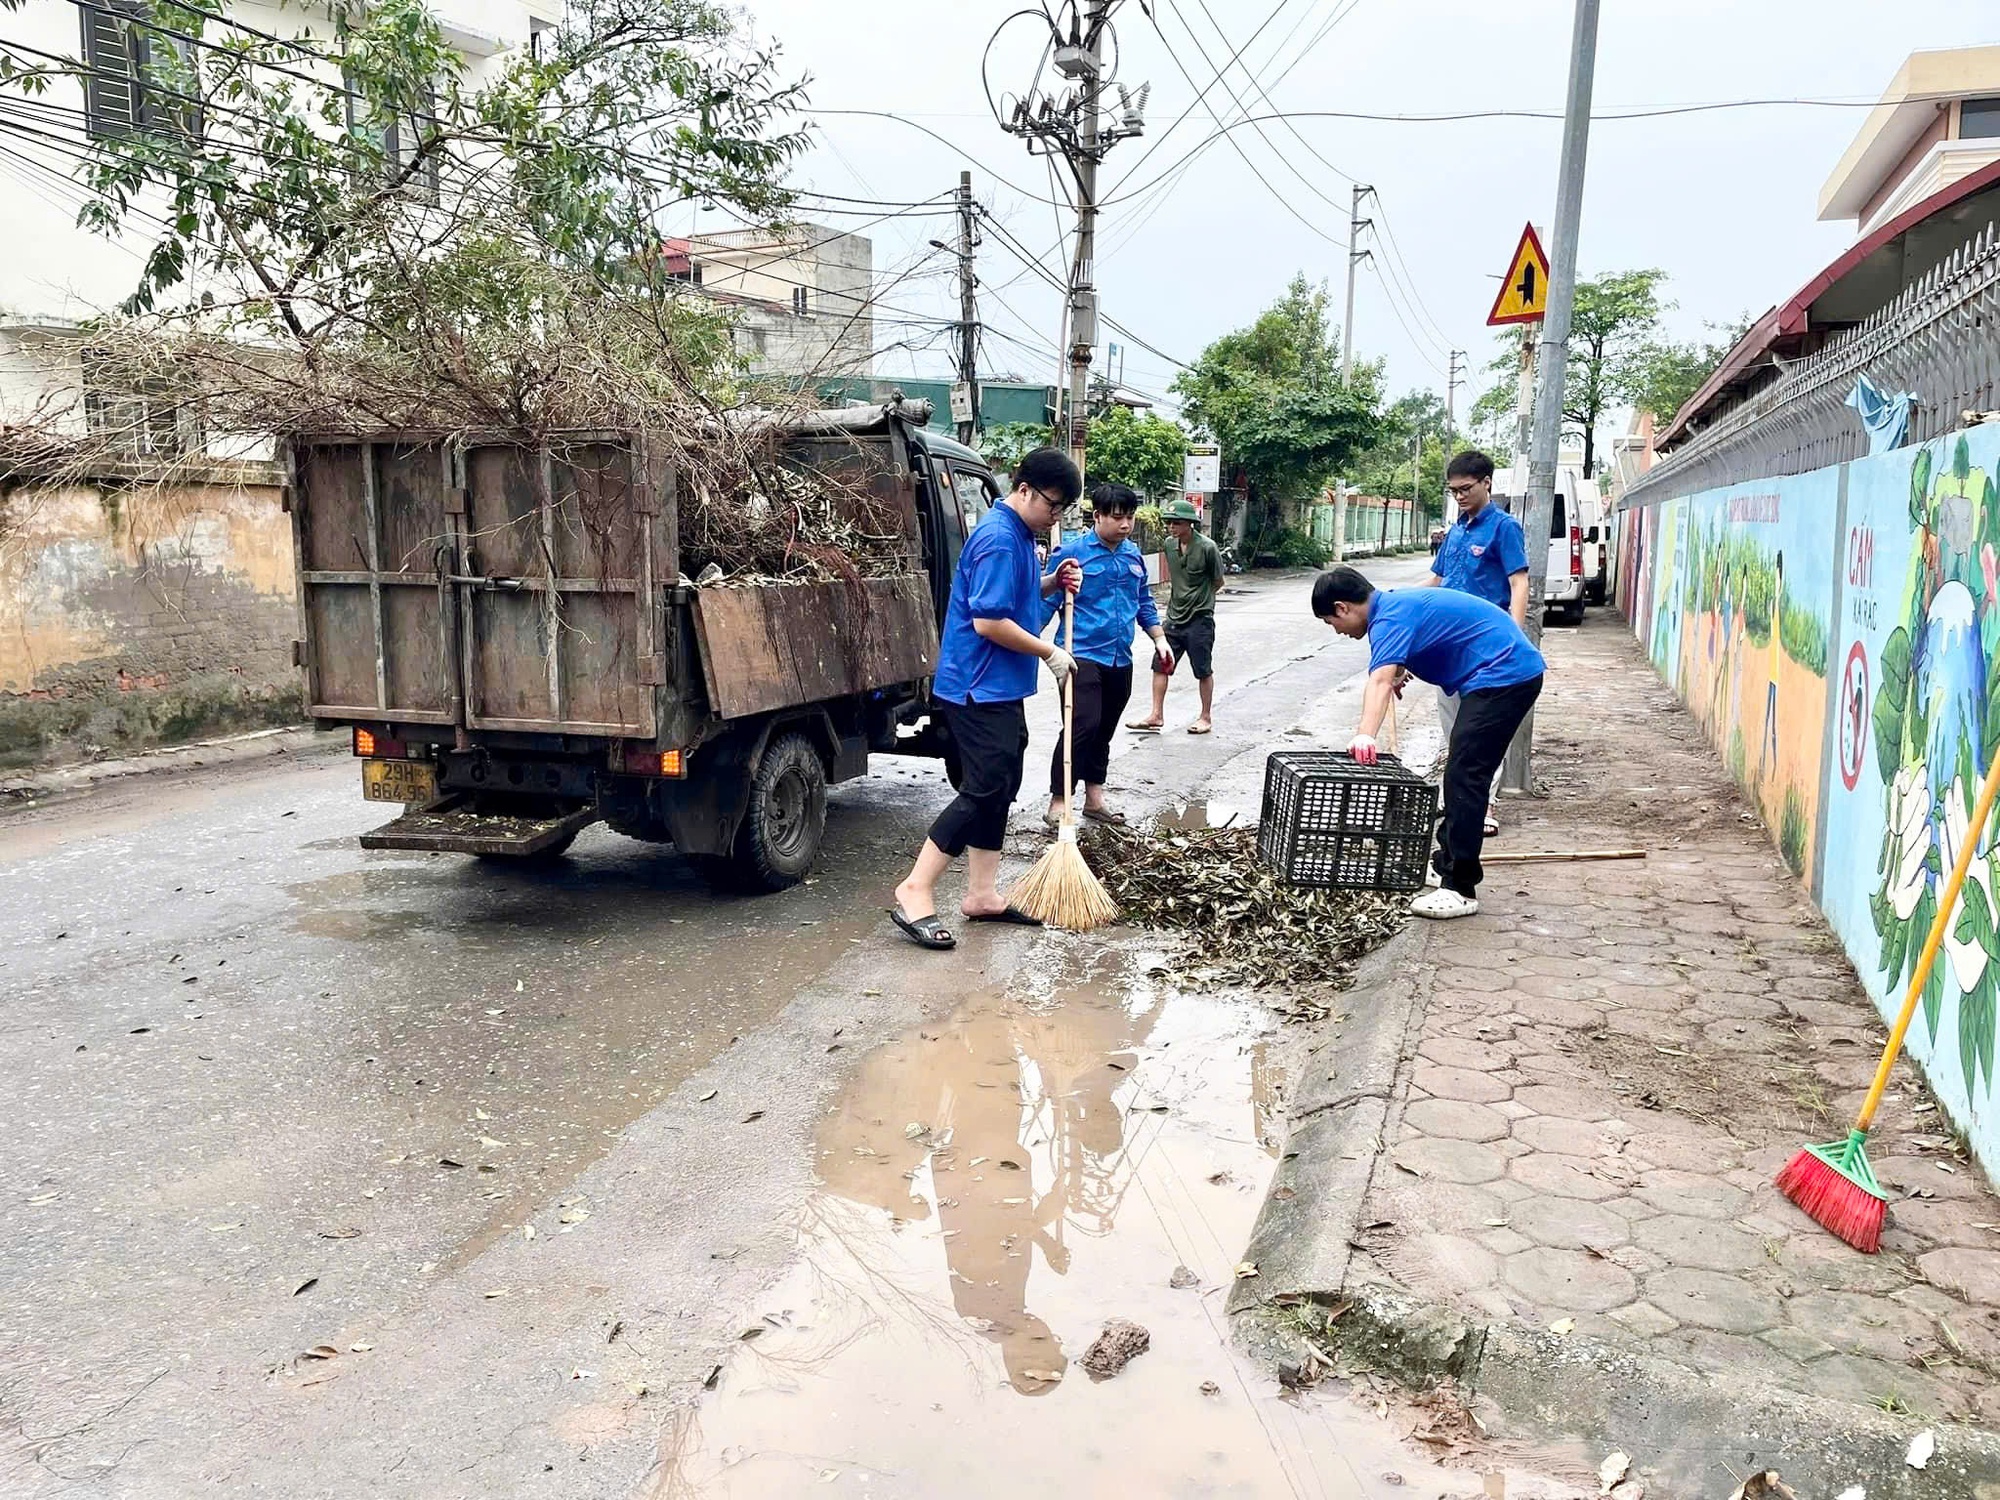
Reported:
(506, 629)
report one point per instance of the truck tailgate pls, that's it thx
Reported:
(775, 646)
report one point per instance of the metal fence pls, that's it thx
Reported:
(1940, 339)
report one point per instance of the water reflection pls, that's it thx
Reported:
(1012, 1112)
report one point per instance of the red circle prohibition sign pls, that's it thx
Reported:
(1853, 727)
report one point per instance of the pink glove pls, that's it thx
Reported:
(1362, 748)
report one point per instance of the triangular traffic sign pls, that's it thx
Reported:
(1524, 293)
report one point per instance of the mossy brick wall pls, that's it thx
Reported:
(131, 619)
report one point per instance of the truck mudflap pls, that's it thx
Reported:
(453, 825)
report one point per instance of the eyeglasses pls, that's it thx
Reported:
(1460, 491)
(1056, 504)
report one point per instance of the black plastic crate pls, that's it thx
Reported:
(1329, 821)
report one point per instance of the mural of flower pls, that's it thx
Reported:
(1937, 724)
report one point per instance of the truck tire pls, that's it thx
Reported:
(784, 819)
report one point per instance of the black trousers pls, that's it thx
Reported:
(1479, 740)
(992, 744)
(1101, 695)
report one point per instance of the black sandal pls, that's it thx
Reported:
(925, 932)
(1012, 915)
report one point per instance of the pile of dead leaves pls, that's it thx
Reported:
(1244, 926)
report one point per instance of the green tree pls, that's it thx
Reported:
(357, 188)
(1143, 451)
(1660, 375)
(1384, 469)
(1270, 394)
(1005, 444)
(1616, 315)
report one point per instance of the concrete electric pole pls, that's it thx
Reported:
(968, 311)
(1355, 255)
(1074, 126)
(1547, 429)
(1452, 382)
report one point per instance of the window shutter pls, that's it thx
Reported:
(111, 86)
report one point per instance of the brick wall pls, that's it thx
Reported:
(131, 618)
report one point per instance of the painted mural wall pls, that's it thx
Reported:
(1837, 636)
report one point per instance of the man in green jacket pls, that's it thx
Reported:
(1194, 574)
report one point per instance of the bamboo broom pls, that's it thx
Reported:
(1059, 888)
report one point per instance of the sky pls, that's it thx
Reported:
(1723, 201)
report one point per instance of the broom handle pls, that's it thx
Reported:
(1921, 975)
(1069, 709)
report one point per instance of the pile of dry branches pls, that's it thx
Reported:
(1243, 925)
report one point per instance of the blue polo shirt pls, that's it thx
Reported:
(1481, 554)
(1462, 644)
(999, 577)
(1114, 596)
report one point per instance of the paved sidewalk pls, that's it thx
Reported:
(1616, 1059)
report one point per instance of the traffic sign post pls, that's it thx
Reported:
(1524, 291)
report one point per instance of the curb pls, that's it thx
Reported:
(1335, 1127)
(1690, 1433)
(30, 788)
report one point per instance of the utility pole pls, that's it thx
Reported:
(968, 311)
(1074, 127)
(1355, 255)
(1452, 382)
(1554, 355)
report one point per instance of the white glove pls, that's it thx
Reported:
(1362, 748)
(1061, 664)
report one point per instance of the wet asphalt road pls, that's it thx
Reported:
(511, 1148)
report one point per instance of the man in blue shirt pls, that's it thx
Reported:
(1485, 554)
(1466, 647)
(985, 673)
(1116, 596)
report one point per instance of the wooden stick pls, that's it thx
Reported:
(1560, 856)
(1069, 710)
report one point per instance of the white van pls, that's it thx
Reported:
(1578, 569)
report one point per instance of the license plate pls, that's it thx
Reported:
(398, 781)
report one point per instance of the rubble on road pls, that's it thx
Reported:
(1121, 1342)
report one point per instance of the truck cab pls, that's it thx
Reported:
(505, 627)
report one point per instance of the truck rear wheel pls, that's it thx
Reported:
(785, 818)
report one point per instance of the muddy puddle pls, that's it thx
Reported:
(1198, 817)
(993, 1188)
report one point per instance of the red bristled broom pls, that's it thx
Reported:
(1833, 1182)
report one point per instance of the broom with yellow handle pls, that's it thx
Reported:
(1059, 888)
(1833, 1182)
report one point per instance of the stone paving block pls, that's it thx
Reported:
(1458, 1083)
(1564, 1137)
(1455, 1261)
(1560, 965)
(1704, 1244)
(1682, 1153)
(1473, 981)
(1796, 1343)
(1734, 1006)
(1512, 1110)
(1972, 1274)
(1947, 1221)
(1576, 1015)
(1662, 998)
(1723, 980)
(1569, 1224)
(1563, 1176)
(1858, 1324)
(1643, 1319)
(1570, 1103)
(1641, 975)
(1506, 1241)
(1812, 1257)
(1454, 1161)
(1418, 1205)
(1671, 1192)
(1463, 1052)
(1569, 1280)
(1710, 1299)
(1558, 986)
(1920, 1174)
